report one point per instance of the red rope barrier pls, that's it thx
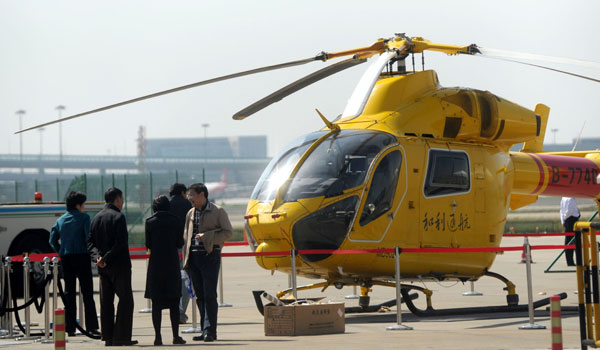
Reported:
(538, 234)
(40, 257)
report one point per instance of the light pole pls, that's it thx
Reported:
(205, 126)
(20, 113)
(41, 147)
(60, 108)
(41, 141)
(554, 131)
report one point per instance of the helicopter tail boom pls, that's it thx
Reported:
(569, 175)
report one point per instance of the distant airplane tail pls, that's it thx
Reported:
(224, 177)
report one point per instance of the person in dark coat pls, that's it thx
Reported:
(109, 249)
(163, 280)
(180, 205)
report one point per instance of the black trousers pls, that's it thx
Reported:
(569, 223)
(78, 266)
(204, 271)
(116, 282)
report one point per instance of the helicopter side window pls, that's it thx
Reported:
(383, 187)
(447, 173)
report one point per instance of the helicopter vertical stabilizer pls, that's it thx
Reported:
(536, 145)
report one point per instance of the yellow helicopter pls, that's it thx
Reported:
(407, 164)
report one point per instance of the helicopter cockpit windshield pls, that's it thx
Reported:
(281, 166)
(338, 163)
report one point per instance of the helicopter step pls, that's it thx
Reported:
(350, 309)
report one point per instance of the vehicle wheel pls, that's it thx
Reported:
(32, 243)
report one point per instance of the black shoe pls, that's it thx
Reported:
(157, 342)
(198, 337)
(178, 341)
(209, 338)
(571, 264)
(71, 334)
(108, 343)
(124, 343)
(95, 332)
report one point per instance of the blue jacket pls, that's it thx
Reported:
(73, 230)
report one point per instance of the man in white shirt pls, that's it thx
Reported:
(569, 214)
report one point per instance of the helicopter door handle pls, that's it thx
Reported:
(453, 205)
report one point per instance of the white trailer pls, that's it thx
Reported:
(25, 228)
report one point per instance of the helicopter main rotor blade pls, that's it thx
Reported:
(319, 57)
(513, 55)
(297, 85)
(516, 57)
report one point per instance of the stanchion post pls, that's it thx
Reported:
(472, 292)
(294, 286)
(46, 301)
(8, 262)
(54, 294)
(580, 291)
(587, 283)
(80, 300)
(26, 294)
(148, 308)
(532, 324)
(195, 328)
(595, 291)
(222, 303)
(354, 294)
(54, 284)
(398, 326)
(3, 324)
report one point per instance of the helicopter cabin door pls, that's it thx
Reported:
(381, 197)
(447, 203)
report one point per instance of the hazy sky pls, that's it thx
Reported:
(84, 55)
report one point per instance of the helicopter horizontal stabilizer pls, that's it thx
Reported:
(521, 200)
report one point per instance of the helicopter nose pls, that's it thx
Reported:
(325, 228)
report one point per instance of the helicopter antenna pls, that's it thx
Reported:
(578, 137)
(329, 124)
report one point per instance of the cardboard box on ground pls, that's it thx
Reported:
(305, 319)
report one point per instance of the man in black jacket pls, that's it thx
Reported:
(179, 206)
(109, 249)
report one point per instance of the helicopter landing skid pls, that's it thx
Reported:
(349, 310)
(429, 312)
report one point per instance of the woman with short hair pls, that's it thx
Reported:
(163, 280)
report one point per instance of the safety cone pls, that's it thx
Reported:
(524, 254)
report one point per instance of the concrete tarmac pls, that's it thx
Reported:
(241, 326)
